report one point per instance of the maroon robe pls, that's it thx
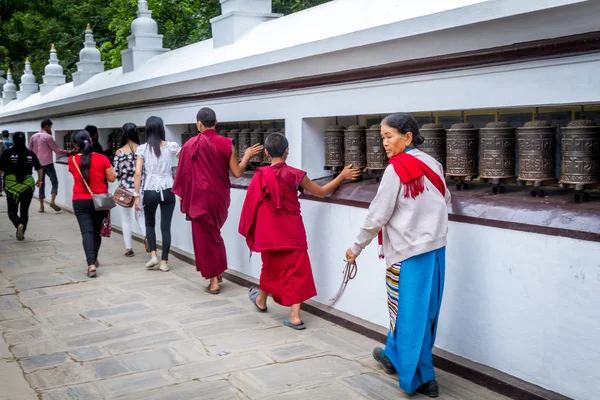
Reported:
(202, 182)
(272, 225)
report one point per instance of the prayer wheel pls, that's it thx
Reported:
(536, 142)
(234, 136)
(461, 151)
(334, 147)
(244, 139)
(376, 157)
(435, 142)
(257, 137)
(223, 132)
(497, 151)
(355, 146)
(580, 161)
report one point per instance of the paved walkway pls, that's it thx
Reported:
(137, 334)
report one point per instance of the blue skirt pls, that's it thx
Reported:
(415, 288)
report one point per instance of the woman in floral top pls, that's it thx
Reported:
(124, 163)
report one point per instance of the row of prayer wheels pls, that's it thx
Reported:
(355, 145)
(490, 152)
(244, 138)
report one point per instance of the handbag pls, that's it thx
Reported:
(106, 228)
(123, 197)
(102, 201)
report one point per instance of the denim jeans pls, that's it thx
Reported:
(50, 172)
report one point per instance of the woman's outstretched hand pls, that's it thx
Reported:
(137, 204)
(351, 257)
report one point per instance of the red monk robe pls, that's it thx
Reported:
(202, 182)
(272, 225)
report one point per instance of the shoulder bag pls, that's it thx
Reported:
(102, 201)
(122, 196)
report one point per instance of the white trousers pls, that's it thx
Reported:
(127, 217)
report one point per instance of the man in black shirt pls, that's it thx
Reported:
(17, 164)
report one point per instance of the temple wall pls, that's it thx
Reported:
(522, 303)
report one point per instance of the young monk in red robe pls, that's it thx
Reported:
(202, 184)
(272, 225)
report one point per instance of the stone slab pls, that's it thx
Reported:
(220, 365)
(219, 390)
(43, 361)
(127, 385)
(14, 385)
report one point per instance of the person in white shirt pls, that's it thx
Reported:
(410, 215)
(154, 159)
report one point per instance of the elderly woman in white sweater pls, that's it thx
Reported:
(410, 215)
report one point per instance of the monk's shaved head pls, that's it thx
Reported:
(207, 116)
(276, 144)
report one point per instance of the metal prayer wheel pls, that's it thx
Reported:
(376, 157)
(257, 137)
(355, 146)
(580, 159)
(435, 142)
(461, 151)
(334, 147)
(497, 144)
(234, 136)
(244, 139)
(536, 142)
(223, 132)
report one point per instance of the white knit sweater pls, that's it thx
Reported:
(410, 226)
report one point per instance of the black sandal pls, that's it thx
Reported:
(129, 253)
(91, 274)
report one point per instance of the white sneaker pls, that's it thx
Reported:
(164, 268)
(152, 263)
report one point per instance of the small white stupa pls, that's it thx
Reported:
(9, 90)
(144, 41)
(54, 74)
(89, 63)
(29, 84)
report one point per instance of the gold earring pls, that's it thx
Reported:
(407, 143)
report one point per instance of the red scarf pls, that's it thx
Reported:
(412, 173)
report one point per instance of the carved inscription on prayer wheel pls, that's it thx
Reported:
(461, 150)
(536, 142)
(435, 142)
(355, 146)
(580, 146)
(234, 135)
(497, 150)
(376, 157)
(244, 139)
(334, 147)
(257, 137)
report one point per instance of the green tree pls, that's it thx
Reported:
(29, 27)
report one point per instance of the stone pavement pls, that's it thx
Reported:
(137, 334)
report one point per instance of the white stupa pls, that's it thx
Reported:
(54, 74)
(29, 84)
(89, 63)
(144, 41)
(9, 90)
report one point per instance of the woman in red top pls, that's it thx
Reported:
(96, 169)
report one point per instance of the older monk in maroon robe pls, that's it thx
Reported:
(202, 183)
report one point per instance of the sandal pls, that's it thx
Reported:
(55, 207)
(288, 323)
(220, 279)
(147, 245)
(91, 274)
(129, 253)
(209, 291)
(253, 295)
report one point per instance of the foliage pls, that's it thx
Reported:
(29, 27)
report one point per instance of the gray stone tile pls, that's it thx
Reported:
(376, 387)
(109, 367)
(37, 281)
(230, 324)
(334, 391)
(281, 378)
(62, 375)
(43, 361)
(130, 384)
(218, 390)
(153, 359)
(220, 365)
(102, 336)
(13, 384)
(144, 342)
(18, 325)
(87, 353)
(83, 392)
(53, 345)
(128, 308)
(253, 340)
(294, 351)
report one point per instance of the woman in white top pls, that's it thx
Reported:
(154, 159)
(410, 214)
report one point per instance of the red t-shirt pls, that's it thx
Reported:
(97, 176)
